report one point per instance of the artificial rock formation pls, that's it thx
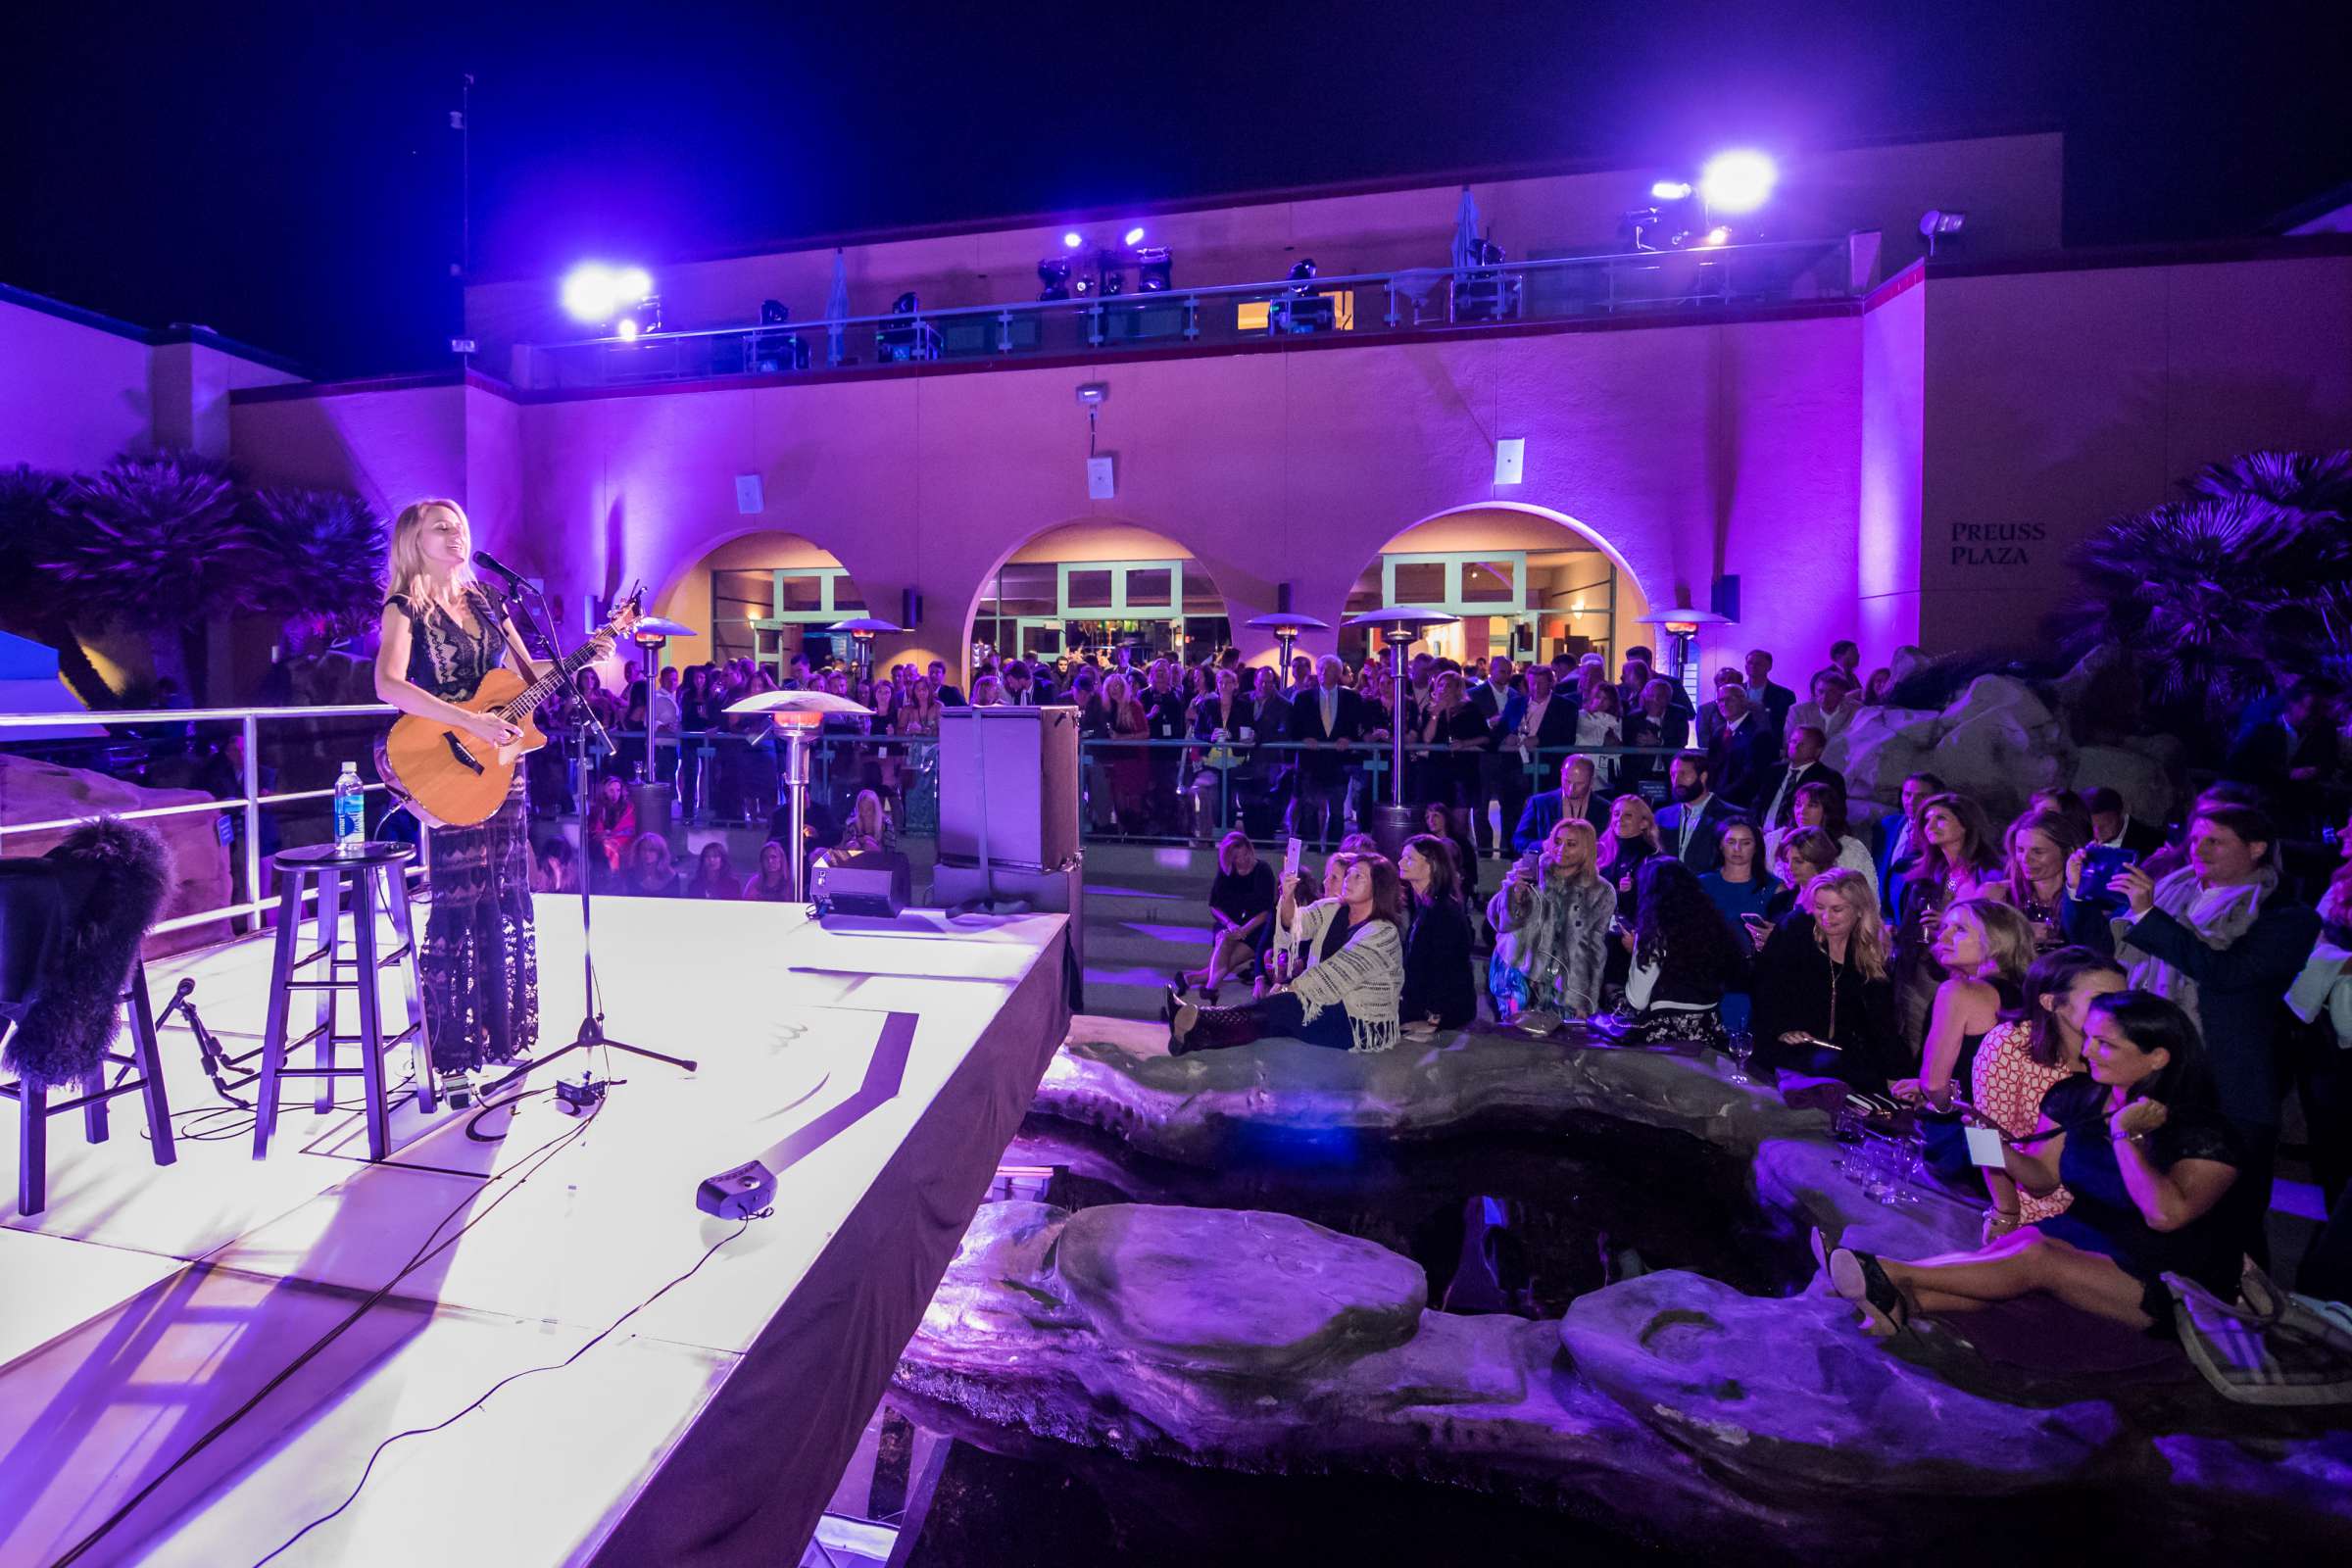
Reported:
(2000, 741)
(32, 791)
(1668, 1407)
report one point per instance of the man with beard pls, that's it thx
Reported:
(1688, 829)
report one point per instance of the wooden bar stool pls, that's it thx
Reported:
(372, 877)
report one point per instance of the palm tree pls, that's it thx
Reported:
(32, 513)
(159, 544)
(326, 552)
(2317, 484)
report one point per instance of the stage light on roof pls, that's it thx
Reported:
(596, 293)
(1669, 190)
(1073, 239)
(1135, 236)
(1737, 181)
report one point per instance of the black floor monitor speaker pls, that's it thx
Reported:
(874, 883)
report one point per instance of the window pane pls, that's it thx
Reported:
(846, 597)
(1151, 589)
(1420, 582)
(1490, 582)
(801, 592)
(1090, 590)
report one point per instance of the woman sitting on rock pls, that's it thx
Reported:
(2041, 842)
(1241, 905)
(1823, 806)
(2032, 1052)
(1346, 996)
(1437, 991)
(1824, 1005)
(1684, 958)
(1552, 919)
(1958, 859)
(1983, 946)
(1739, 887)
(2141, 1142)
(1805, 854)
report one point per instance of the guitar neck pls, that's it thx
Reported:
(539, 690)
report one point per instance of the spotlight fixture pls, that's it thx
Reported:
(1135, 236)
(1155, 270)
(1302, 269)
(1936, 221)
(1072, 240)
(1738, 182)
(1669, 190)
(774, 313)
(1718, 235)
(904, 305)
(1054, 274)
(599, 295)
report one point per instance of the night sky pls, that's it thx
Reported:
(286, 175)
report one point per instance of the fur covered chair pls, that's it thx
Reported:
(71, 925)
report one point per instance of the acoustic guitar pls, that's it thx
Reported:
(449, 778)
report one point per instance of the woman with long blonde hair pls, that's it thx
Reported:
(1825, 1005)
(440, 634)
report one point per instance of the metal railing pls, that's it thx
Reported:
(1402, 300)
(248, 803)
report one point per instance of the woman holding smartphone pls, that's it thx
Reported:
(2141, 1144)
(1824, 1002)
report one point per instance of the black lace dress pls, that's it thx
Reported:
(480, 964)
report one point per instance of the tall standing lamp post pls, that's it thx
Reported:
(798, 715)
(1286, 628)
(653, 634)
(1398, 626)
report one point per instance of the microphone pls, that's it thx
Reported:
(491, 564)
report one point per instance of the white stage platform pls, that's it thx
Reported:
(146, 1304)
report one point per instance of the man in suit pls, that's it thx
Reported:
(1689, 826)
(1776, 701)
(1496, 763)
(2113, 827)
(949, 696)
(2289, 752)
(1776, 792)
(1326, 718)
(1537, 722)
(1743, 747)
(1544, 809)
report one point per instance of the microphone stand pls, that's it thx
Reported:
(591, 1035)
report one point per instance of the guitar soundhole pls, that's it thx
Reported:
(463, 757)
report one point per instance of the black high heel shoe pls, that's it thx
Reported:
(1174, 1004)
(1857, 1276)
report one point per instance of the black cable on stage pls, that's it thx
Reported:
(425, 1252)
(512, 1377)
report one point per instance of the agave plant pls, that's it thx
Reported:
(157, 543)
(31, 516)
(326, 552)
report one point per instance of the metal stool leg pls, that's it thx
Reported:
(372, 1032)
(273, 1033)
(32, 1166)
(330, 938)
(148, 1052)
(404, 928)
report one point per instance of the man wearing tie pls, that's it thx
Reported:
(1325, 718)
(1689, 829)
(1777, 792)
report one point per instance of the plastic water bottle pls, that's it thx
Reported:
(351, 817)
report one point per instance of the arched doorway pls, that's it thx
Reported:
(1524, 583)
(764, 596)
(1089, 587)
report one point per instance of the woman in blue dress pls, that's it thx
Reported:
(2142, 1143)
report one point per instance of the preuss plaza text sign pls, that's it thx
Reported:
(1995, 544)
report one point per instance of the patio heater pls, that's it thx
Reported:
(653, 634)
(1683, 624)
(1286, 628)
(1398, 626)
(798, 715)
(862, 630)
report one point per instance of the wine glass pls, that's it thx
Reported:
(1741, 1045)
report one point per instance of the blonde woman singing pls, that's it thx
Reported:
(442, 632)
